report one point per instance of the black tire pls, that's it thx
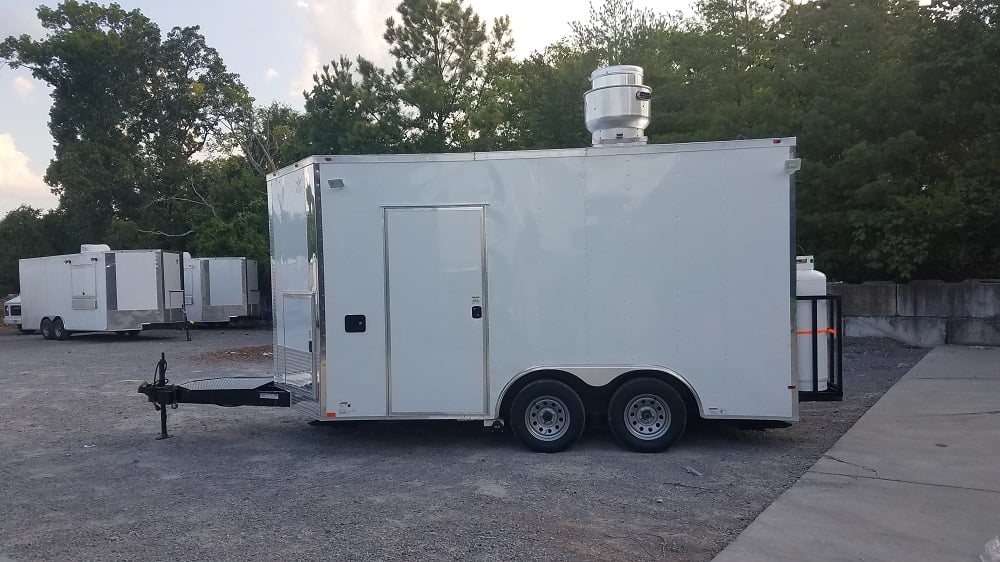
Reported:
(46, 328)
(647, 415)
(58, 330)
(547, 416)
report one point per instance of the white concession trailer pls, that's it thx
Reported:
(220, 289)
(12, 312)
(534, 289)
(101, 290)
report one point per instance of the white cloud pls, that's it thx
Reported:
(331, 28)
(271, 74)
(310, 64)
(24, 88)
(20, 185)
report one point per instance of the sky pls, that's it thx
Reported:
(274, 45)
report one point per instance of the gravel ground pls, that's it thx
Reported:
(81, 477)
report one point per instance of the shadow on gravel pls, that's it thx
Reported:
(109, 337)
(391, 437)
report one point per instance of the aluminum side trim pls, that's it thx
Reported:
(319, 338)
(486, 314)
(603, 375)
(388, 330)
(793, 284)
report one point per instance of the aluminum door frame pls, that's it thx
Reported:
(481, 207)
(313, 351)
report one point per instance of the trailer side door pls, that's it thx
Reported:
(436, 310)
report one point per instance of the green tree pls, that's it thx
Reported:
(550, 94)
(24, 233)
(550, 99)
(958, 81)
(269, 137)
(350, 112)
(450, 75)
(731, 71)
(845, 78)
(129, 110)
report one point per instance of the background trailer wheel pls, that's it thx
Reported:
(647, 415)
(46, 328)
(547, 416)
(59, 330)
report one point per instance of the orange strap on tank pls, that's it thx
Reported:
(823, 331)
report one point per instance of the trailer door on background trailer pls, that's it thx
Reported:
(83, 280)
(436, 303)
(188, 286)
(173, 292)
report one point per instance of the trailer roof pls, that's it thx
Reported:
(100, 252)
(784, 142)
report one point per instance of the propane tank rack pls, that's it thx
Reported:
(834, 335)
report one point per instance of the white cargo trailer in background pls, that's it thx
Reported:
(12, 312)
(100, 290)
(639, 283)
(220, 289)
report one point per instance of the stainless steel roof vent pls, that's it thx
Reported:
(616, 108)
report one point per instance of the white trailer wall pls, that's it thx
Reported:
(120, 290)
(66, 286)
(219, 289)
(669, 257)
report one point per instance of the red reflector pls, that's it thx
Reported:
(776, 141)
(328, 159)
(792, 387)
(331, 414)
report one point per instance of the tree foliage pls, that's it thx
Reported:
(447, 71)
(130, 108)
(353, 112)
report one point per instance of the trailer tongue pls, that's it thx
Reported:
(220, 391)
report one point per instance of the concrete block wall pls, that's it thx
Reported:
(923, 313)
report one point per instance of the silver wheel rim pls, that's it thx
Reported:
(547, 418)
(647, 417)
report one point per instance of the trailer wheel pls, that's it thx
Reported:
(547, 416)
(647, 415)
(46, 328)
(58, 330)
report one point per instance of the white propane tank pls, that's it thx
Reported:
(811, 283)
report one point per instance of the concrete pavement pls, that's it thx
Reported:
(916, 478)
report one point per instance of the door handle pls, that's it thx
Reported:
(477, 311)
